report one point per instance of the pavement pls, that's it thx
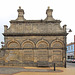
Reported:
(6, 70)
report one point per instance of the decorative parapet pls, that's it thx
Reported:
(20, 14)
(49, 15)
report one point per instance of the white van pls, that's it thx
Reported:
(71, 60)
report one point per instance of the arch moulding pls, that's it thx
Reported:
(13, 41)
(28, 41)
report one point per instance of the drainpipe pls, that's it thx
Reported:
(64, 27)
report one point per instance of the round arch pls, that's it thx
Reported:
(42, 44)
(13, 44)
(28, 44)
(57, 44)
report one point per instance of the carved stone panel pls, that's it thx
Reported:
(28, 55)
(19, 55)
(42, 55)
(57, 55)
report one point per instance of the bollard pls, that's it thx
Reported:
(54, 66)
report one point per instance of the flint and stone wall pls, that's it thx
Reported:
(33, 50)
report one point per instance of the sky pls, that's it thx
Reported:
(63, 10)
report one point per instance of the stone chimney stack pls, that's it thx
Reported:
(49, 15)
(64, 27)
(20, 14)
(5, 28)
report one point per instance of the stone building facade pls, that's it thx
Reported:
(34, 42)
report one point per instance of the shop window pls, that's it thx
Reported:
(71, 47)
(68, 48)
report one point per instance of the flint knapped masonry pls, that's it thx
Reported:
(34, 42)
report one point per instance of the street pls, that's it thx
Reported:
(70, 65)
(69, 70)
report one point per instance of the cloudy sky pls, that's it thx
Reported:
(63, 10)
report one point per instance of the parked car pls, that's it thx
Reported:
(71, 60)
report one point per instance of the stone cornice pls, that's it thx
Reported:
(35, 34)
(35, 21)
(30, 48)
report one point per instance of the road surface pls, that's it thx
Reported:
(70, 65)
